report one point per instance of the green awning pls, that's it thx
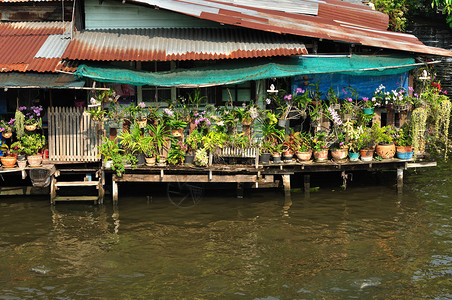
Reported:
(235, 71)
(39, 80)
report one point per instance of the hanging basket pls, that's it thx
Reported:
(30, 127)
(7, 134)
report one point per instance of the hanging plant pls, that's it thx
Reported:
(19, 123)
(418, 126)
(441, 125)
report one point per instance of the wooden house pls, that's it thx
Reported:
(59, 52)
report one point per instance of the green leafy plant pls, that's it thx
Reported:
(131, 140)
(19, 123)
(403, 136)
(161, 136)
(109, 148)
(32, 143)
(176, 153)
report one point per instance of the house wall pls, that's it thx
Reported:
(114, 14)
(36, 11)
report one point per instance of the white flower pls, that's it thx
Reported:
(220, 123)
(268, 101)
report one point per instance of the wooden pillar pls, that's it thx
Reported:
(114, 191)
(400, 180)
(52, 190)
(307, 185)
(240, 190)
(286, 183)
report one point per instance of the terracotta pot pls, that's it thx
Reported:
(142, 123)
(7, 134)
(34, 160)
(177, 132)
(150, 161)
(8, 161)
(339, 154)
(304, 156)
(404, 149)
(321, 155)
(30, 127)
(386, 151)
(366, 154)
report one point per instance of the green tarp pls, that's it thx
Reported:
(39, 80)
(235, 71)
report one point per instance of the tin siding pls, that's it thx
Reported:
(115, 15)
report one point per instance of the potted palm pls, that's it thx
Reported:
(265, 153)
(161, 139)
(130, 140)
(109, 149)
(32, 144)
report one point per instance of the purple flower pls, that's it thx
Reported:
(349, 99)
(365, 99)
(416, 95)
(410, 89)
(196, 121)
(141, 104)
(300, 91)
(22, 108)
(288, 97)
(11, 121)
(341, 143)
(196, 114)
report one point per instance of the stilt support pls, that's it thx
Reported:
(307, 185)
(52, 190)
(240, 190)
(400, 180)
(114, 191)
(286, 183)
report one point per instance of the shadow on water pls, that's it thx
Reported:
(364, 242)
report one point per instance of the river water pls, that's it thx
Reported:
(365, 242)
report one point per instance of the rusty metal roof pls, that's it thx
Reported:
(33, 46)
(335, 20)
(166, 44)
(16, 1)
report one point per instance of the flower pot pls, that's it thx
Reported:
(177, 132)
(386, 151)
(142, 123)
(404, 152)
(282, 122)
(34, 160)
(276, 158)
(353, 156)
(140, 159)
(366, 154)
(21, 157)
(264, 158)
(30, 127)
(21, 164)
(7, 134)
(339, 154)
(368, 111)
(287, 157)
(189, 159)
(321, 155)
(8, 161)
(304, 156)
(150, 161)
(162, 160)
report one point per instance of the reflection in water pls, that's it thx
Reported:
(359, 243)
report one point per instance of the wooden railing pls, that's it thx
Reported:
(73, 135)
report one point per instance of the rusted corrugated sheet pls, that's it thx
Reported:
(15, 1)
(336, 20)
(20, 43)
(166, 44)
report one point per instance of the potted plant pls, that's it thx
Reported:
(177, 127)
(366, 144)
(290, 145)
(148, 149)
(403, 141)
(265, 152)
(161, 139)
(368, 105)
(9, 159)
(131, 142)
(339, 149)
(276, 153)
(7, 128)
(32, 144)
(353, 135)
(194, 141)
(176, 154)
(320, 146)
(17, 149)
(304, 151)
(384, 139)
(109, 149)
(33, 118)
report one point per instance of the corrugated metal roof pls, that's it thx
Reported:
(336, 20)
(32, 46)
(166, 44)
(15, 1)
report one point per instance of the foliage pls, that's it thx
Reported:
(396, 10)
(194, 141)
(17, 148)
(32, 115)
(201, 157)
(160, 135)
(353, 134)
(419, 127)
(98, 114)
(7, 126)
(176, 153)
(109, 148)
(320, 141)
(19, 123)
(32, 143)
(214, 139)
(131, 140)
(403, 136)
(121, 160)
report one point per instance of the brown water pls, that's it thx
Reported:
(363, 243)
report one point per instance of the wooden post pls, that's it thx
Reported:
(240, 190)
(52, 190)
(400, 180)
(286, 183)
(115, 190)
(307, 185)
